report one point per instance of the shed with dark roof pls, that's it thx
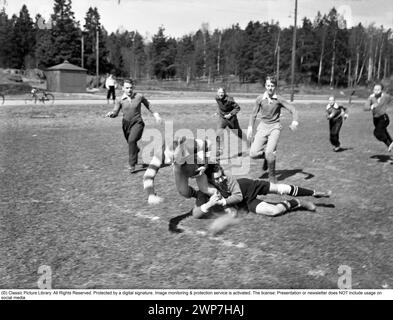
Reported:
(66, 77)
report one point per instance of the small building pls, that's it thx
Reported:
(66, 77)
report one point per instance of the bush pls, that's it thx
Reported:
(14, 88)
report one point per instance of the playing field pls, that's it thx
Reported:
(68, 202)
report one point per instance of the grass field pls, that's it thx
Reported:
(68, 202)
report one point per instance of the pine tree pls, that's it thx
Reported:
(92, 25)
(62, 41)
(44, 50)
(5, 39)
(24, 39)
(163, 54)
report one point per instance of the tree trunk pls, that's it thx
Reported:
(218, 54)
(380, 59)
(385, 69)
(361, 70)
(321, 57)
(357, 63)
(333, 60)
(278, 64)
(370, 61)
(349, 74)
(188, 75)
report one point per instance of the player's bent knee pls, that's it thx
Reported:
(283, 188)
(185, 194)
(270, 156)
(268, 209)
(254, 154)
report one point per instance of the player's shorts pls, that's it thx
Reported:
(251, 189)
(265, 129)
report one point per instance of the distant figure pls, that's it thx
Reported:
(227, 111)
(110, 85)
(133, 124)
(335, 114)
(378, 103)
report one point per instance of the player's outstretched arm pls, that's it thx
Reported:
(115, 112)
(291, 108)
(253, 117)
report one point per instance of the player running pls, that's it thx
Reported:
(378, 103)
(268, 131)
(227, 111)
(133, 124)
(336, 115)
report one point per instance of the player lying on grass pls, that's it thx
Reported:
(190, 158)
(243, 192)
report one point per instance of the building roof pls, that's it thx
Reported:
(66, 66)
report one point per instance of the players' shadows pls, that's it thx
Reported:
(343, 149)
(240, 154)
(174, 222)
(144, 166)
(382, 158)
(284, 174)
(325, 205)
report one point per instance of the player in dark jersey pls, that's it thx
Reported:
(336, 114)
(227, 112)
(243, 192)
(378, 103)
(190, 158)
(133, 124)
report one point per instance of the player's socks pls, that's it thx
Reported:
(291, 204)
(321, 194)
(300, 192)
(295, 204)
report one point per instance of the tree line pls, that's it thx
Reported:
(328, 53)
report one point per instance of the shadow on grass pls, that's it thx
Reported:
(174, 222)
(144, 167)
(325, 205)
(284, 174)
(236, 155)
(343, 149)
(382, 158)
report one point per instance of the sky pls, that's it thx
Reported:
(181, 17)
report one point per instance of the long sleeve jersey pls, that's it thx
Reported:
(131, 106)
(334, 112)
(270, 109)
(378, 105)
(227, 105)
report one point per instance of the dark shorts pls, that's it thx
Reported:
(250, 190)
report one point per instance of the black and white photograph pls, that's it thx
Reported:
(181, 145)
